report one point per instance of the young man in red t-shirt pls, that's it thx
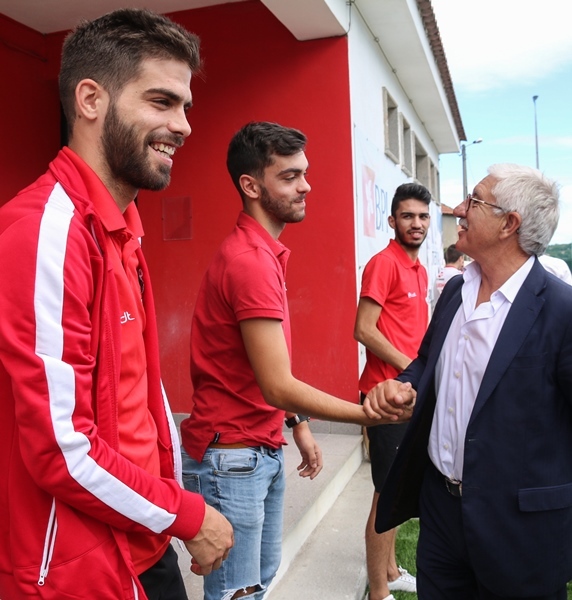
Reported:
(391, 320)
(240, 365)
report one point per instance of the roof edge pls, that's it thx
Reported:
(434, 37)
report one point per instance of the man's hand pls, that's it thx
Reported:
(212, 543)
(390, 399)
(311, 454)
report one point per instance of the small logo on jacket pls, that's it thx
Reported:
(411, 295)
(126, 316)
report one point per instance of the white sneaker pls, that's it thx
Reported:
(390, 597)
(404, 583)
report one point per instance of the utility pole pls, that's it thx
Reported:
(464, 161)
(534, 99)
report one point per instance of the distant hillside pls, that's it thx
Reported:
(563, 251)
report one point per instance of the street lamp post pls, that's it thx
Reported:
(534, 99)
(464, 160)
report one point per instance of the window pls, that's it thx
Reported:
(407, 145)
(435, 183)
(392, 128)
(422, 165)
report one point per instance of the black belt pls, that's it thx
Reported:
(455, 488)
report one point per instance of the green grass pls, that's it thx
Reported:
(405, 549)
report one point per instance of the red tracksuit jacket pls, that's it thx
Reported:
(67, 496)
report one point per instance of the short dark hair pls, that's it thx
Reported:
(111, 48)
(452, 255)
(408, 191)
(252, 147)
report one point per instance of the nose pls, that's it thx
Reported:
(179, 123)
(305, 187)
(460, 210)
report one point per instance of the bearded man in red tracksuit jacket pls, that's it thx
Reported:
(89, 456)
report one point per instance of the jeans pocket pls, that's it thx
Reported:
(237, 462)
(192, 482)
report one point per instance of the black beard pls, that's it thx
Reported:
(127, 160)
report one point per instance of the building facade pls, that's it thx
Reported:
(366, 81)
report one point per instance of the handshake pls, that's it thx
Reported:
(390, 401)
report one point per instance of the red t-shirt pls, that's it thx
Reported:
(399, 286)
(245, 280)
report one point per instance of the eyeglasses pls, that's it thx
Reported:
(471, 199)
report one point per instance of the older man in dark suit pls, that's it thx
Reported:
(487, 459)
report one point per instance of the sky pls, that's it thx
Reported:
(500, 54)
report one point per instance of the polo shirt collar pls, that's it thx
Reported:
(246, 221)
(103, 203)
(402, 256)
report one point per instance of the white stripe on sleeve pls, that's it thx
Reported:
(48, 306)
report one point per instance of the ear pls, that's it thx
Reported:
(250, 186)
(512, 223)
(91, 100)
(391, 221)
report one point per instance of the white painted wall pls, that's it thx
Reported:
(376, 176)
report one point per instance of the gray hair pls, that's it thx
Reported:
(534, 197)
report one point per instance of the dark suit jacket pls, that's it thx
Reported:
(517, 475)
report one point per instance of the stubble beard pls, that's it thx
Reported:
(407, 244)
(282, 213)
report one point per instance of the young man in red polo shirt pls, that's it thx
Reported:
(391, 320)
(240, 365)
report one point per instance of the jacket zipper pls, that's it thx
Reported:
(49, 544)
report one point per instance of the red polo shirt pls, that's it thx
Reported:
(399, 286)
(245, 280)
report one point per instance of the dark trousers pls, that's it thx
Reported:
(444, 570)
(163, 581)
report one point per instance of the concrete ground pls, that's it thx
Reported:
(331, 564)
(324, 522)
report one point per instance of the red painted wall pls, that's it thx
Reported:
(254, 70)
(29, 107)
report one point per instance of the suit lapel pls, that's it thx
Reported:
(439, 327)
(442, 323)
(519, 320)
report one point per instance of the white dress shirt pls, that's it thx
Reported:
(462, 363)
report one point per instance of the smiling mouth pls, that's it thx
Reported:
(164, 149)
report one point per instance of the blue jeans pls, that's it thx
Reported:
(247, 486)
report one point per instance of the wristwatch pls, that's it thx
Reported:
(295, 420)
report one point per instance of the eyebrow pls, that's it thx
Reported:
(293, 170)
(169, 94)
